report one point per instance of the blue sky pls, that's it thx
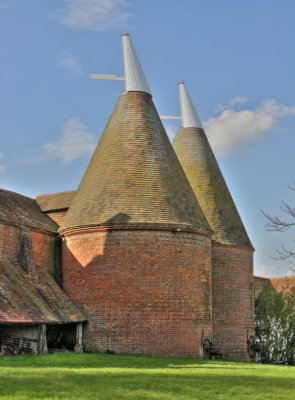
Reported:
(236, 57)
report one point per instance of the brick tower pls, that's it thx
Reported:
(136, 245)
(232, 264)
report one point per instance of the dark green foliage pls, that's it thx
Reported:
(275, 326)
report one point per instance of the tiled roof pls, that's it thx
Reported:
(134, 175)
(23, 210)
(197, 159)
(26, 300)
(55, 201)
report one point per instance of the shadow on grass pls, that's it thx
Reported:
(100, 360)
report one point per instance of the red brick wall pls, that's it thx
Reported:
(44, 251)
(283, 283)
(144, 291)
(42, 246)
(232, 299)
(7, 240)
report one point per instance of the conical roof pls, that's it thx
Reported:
(199, 163)
(134, 176)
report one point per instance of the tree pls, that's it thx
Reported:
(281, 224)
(275, 325)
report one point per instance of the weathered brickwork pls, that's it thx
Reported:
(45, 250)
(144, 291)
(283, 283)
(8, 239)
(39, 248)
(232, 299)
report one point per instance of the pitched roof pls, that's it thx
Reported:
(55, 201)
(22, 210)
(198, 161)
(24, 300)
(134, 175)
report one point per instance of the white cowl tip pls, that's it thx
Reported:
(135, 80)
(189, 115)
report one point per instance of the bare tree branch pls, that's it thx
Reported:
(280, 224)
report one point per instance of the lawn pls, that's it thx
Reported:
(112, 377)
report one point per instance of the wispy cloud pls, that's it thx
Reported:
(2, 167)
(94, 15)
(267, 271)
(71, 63)
(74, 142)
(236, 101)
(232, 129)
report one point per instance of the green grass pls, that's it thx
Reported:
(102, 376)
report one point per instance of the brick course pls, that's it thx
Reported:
(232, 299)
(145, 292)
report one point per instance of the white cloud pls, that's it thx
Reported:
(74, 142)
(236, 101)
(95, 15)
(232, 129)
(71, 63)
(2, 167)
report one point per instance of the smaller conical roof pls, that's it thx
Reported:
(135, 80)
(199, 163)
(189, 114)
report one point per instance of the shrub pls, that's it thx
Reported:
(275, 326)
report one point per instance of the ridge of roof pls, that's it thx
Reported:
(134, 176)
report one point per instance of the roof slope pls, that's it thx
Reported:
(134, 175)
(198, 161)
(23, 210)
(23, 300)
(55, 201)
